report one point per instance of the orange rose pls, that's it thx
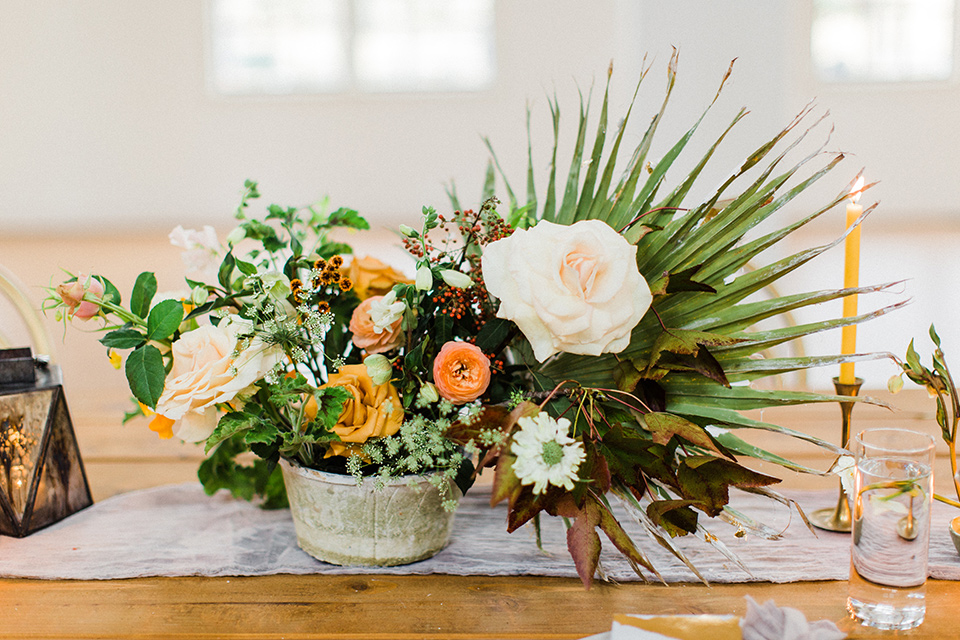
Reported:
(461, 372)
(373, 411)
(375, 324)
(373, 278)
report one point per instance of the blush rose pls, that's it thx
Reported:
(461, 372)
(376, 324)
(573, 289)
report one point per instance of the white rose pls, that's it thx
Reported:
(205, 374)
(574, 289)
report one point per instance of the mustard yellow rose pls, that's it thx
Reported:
(373, 278)
(373, 411)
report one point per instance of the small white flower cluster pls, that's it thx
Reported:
(419, 447)
(445, 406)
(470, 412)
(490, 437)
(317, 323)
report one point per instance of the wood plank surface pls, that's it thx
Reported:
(401, 607)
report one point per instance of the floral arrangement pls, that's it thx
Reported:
(594, 345)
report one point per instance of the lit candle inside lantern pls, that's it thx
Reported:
(851, 278)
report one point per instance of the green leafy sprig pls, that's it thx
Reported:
(939, 383)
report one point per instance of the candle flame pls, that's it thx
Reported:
(857, 190)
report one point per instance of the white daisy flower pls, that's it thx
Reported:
(546, 454)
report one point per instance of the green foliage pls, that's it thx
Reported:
(164, 320)
(343, 217)
(110, 293)
(940, 384)
(143, 291)
(260, 478)
(123, 339)
(145, 374)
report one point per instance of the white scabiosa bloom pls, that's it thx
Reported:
(546, 454)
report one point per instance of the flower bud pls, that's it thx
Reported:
(895, 384)
(199, 295)
(378, 368)
(72, 294)
(410, 232)
(424, 278)
(456, 279)
(236, 236)
(429, 393)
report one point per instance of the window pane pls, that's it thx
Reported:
(278, 47)
(882, 40)
(424, 45)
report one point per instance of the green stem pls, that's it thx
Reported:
(955, 406)
(123, 314)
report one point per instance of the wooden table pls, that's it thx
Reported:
(121, 458)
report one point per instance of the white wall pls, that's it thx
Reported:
(105, 120)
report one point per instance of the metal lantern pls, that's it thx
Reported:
(42, 479)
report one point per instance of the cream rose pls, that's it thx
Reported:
(574, 289)
(205, 373)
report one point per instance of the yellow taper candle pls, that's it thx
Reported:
(851, 278)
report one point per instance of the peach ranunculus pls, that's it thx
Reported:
(574, 289)
(461, 372)
(372, 411)
(206, 373)
(375, 323)
(72, 295)
(373, 278)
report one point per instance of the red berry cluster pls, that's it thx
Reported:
(484, 227)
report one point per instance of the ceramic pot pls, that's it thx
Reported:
(342, 523)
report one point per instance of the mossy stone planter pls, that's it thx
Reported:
(342, 523)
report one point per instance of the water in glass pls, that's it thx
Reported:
(891, 533)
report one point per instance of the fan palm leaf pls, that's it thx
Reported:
(693, 356)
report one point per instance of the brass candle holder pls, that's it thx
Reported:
(838, 518)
